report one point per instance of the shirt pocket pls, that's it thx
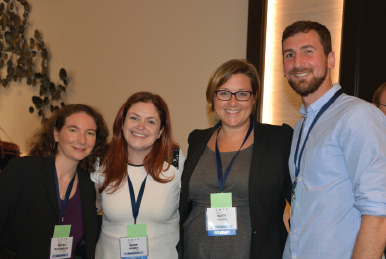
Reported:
(323, 166)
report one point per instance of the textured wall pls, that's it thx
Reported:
(112, 49)
(280, 103)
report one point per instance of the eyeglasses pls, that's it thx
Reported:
(224, 95)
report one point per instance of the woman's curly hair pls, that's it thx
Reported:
(43, 144)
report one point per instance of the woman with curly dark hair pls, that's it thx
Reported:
(47, 200)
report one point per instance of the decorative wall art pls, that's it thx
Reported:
(24, 57)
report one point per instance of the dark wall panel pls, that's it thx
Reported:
(363, 51)
(257, 19)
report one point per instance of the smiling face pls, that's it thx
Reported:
(77, 138)
(305, 64)
(234, 113)
(141, 128)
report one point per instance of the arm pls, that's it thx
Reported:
(98, 200)
(286, 140)
(287, 187)
(96, 179)
(371, 239)
(11, 185)
(181, 162)
(364, 148)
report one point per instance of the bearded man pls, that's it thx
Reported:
(338, 157)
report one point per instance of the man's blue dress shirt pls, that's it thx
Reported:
(342, 176)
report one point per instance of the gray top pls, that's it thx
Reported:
(204, 181)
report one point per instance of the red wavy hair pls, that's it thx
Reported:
(117, 157)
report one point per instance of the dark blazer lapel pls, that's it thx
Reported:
(256, 172)
(49, 179)
(260, 142)
(84, 196)
(195, 153)
(198, 141)
(87, 197)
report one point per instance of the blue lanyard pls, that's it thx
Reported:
(222, 179)
(66, 197)
(324, 108)
(135, 205)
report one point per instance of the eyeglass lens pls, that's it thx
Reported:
(226, 95)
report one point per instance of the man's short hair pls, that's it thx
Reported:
(306, 26)
(378, 93)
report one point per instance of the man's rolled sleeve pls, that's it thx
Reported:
(363, 140)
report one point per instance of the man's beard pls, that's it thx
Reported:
(312, 86)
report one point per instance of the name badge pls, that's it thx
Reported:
(135, 245)
(221, 221)
(61, 247)
(221, 218)
(61, 243)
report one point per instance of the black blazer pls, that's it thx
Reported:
(269, 186)
(29, 208)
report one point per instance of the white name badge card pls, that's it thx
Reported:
(61, 247)
(61, 242)
(221, 217)
(221, 221)
(133, 247)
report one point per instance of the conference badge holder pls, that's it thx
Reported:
(221, 217)
(61, 243)
(135, 245)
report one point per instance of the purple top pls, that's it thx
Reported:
(74, 217)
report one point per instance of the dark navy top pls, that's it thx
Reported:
(74, 218)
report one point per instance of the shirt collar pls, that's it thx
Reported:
(318, 104)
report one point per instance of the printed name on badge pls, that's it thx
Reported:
(221, 221)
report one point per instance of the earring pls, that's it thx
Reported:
(54, 146)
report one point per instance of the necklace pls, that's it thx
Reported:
(63, 196)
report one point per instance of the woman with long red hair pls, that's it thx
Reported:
(139, 183)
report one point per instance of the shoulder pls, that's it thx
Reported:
(26, 163)
(83, 174)
(97, 176)
(198, 134)
(347, 103)
(26, 168)
(351, 110)
(278, 137)
(275, 129)
(198, 139)
(178, 157)
(276, 132)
